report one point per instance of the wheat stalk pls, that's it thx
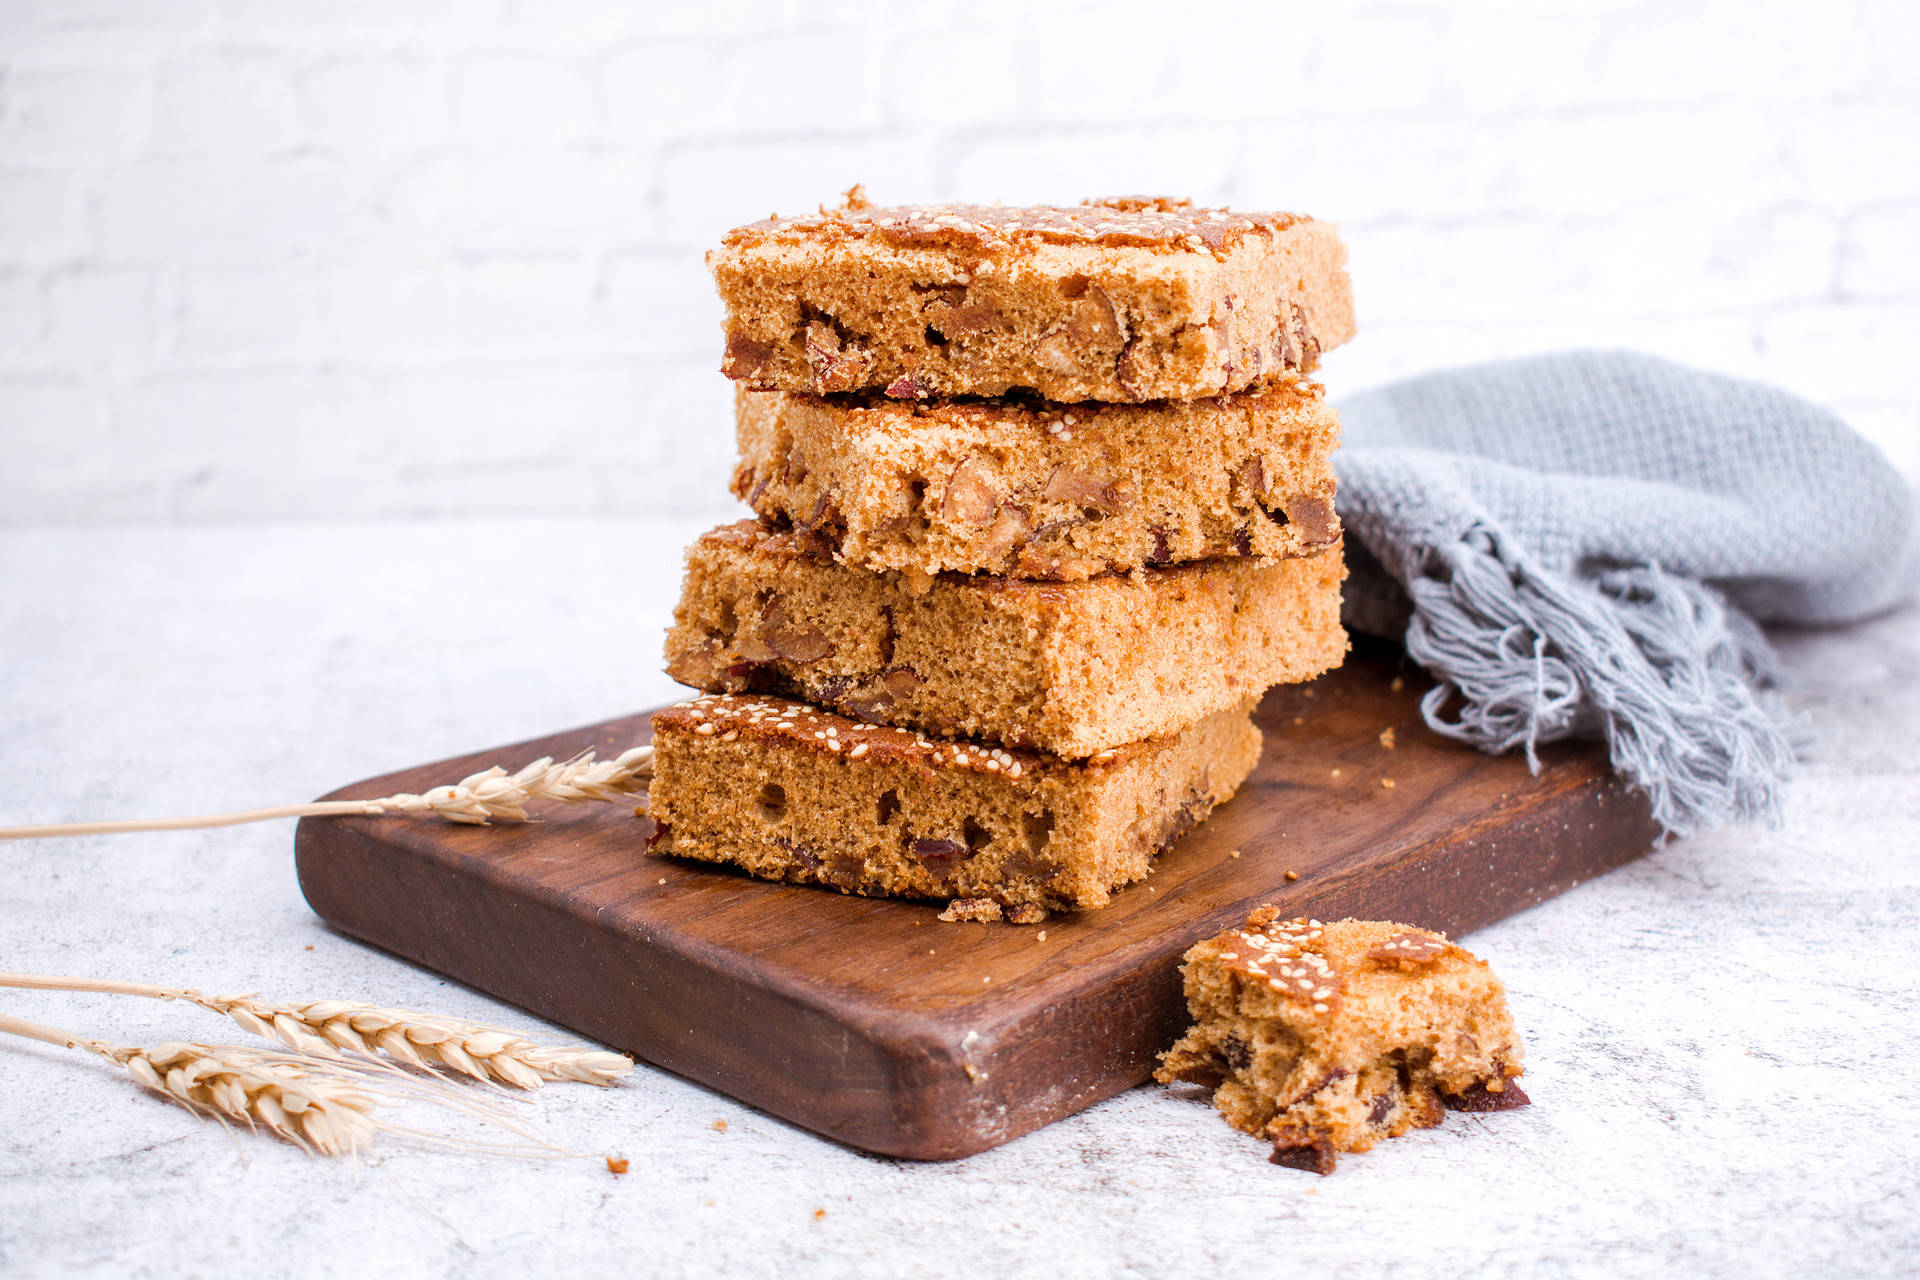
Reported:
(492, 795)
(320, 1105)
(429, 1041)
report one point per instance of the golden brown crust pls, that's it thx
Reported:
(1124, 222)
(797, 726)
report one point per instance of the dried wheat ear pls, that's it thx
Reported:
(328, 1028)
(320, 1093)
(492, 795)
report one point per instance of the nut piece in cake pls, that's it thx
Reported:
(788, 792)
(1119, 300)
(1039, 490)
(1064, 668)
(1328, 1037)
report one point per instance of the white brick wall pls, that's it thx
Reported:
(419, 257)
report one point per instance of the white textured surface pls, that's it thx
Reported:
(1723, 1039)
(264, 257)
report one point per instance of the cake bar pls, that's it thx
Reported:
(1119, 300)
(1039, 490)
(1328, 1037)
(787, 792)
(1065, 668)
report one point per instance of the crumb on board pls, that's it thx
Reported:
(719, 1126)
(309, 946)
(978, 910)
(617, 1164)
(639, 811)
(1399, 683)
(1336, 772)
(663, 879)
(1293, 875)
(1387, 783)
(819, 1215)
(1386, 738)
(1299, 719)
(1233, 853)
(1041, 936)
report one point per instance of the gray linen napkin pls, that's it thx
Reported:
(1581, 544)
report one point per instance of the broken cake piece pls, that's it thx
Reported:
(1039, 490)
(1326, 1038)
(1064, 668)
(788, 792)
(1119, 300)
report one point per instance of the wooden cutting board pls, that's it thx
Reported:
(872, 1022)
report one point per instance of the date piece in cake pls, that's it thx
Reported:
(1328, 1037)
(1042, 490)
(787, 792)
(1120, 300)
(1064, 668)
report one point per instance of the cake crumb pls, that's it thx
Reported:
(309, 946)
(1293, 875)
(1386, 738)
(1336, 772)
(1041, 936)
(1387, 783)
(978, 910)
(663, 879)
(1372, 1016)
(1398, 684)
(617, 1164)
(819, 1215)
(719, 1126)
(1233, 853)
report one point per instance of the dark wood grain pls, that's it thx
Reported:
(872, 1022)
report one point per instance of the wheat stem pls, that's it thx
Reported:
(492, 795)
(433, 1042)
(48, 1035)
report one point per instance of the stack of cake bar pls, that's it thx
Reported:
(1045, 504)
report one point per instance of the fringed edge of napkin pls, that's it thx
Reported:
(1671, 675)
